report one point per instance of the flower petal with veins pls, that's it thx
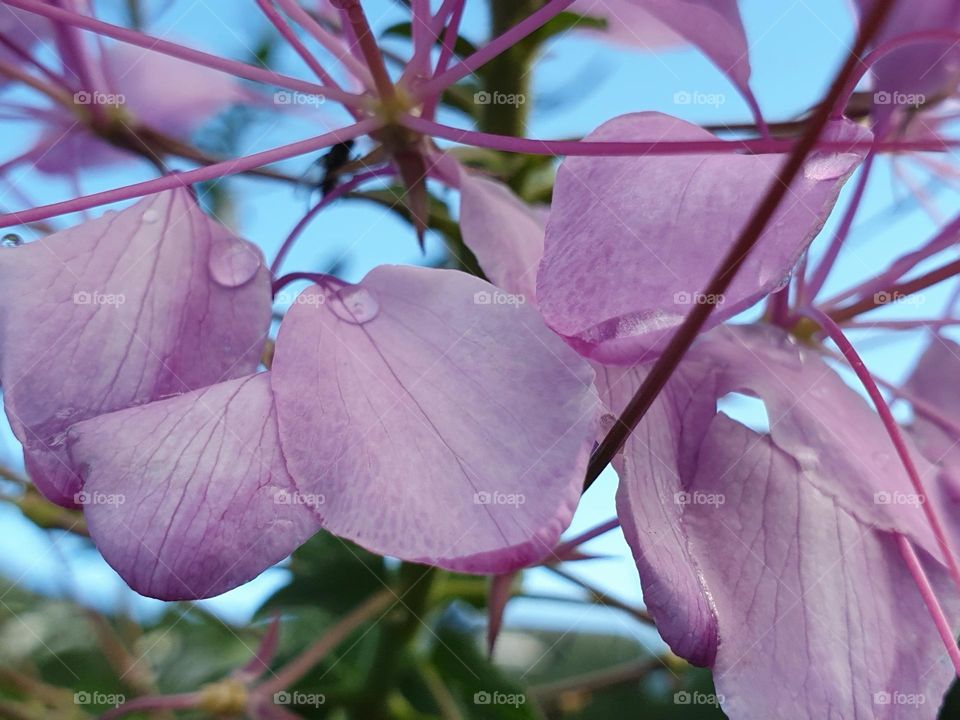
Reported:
(189, 497)
(503, 232)
(632, 241)
(441, 426)
(152, 301)
(811, 604)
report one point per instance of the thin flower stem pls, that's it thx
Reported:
(198, 57)
(276, 19)
(316, 278)
(367, 43)
(499, 44)
(834, 332)
(826, 264)
(900, 324)
(328, 41)
(681, 340)
(628, 672)
(897, 292)
(15, 49)
(601, 598)
(930, 600)
(55, 93)
(446, 53)
(210, 172)
(290, 673)
(944, 239)
(423, 35)
(948, 37)
(531, 146)
(575, 542)
(339, 191)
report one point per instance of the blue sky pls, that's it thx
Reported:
(579, 83)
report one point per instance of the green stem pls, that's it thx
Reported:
(508, 74)
(397, 631)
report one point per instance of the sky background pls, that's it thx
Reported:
(578, 83)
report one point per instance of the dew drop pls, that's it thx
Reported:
(150, 216)
(355, 304)
(233, 262)
(11, 240)
(829, 166)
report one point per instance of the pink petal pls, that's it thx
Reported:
(833, 432)
(632, 241)
(714, 26)
(816, 611)
(166, 93)
(627, 22)
(650, 483)
(152, 301)
(920, 72)
(441, 427)
(189, 497)
(504, 233)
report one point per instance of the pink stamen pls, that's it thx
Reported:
(909, 556)
(367, 42)
(499, 44)
(209, 172)
(893, 430)
(329, 42)
(584, 148)
(446, 53)
(337, 192)
(231, 67)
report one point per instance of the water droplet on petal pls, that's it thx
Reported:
(355, 304)
(150, 216)
(11, 240)
(233, 262)
(829, 166)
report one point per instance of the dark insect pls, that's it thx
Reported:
(332, 164)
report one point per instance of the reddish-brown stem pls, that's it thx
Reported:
(683, 338)
(896, 292)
